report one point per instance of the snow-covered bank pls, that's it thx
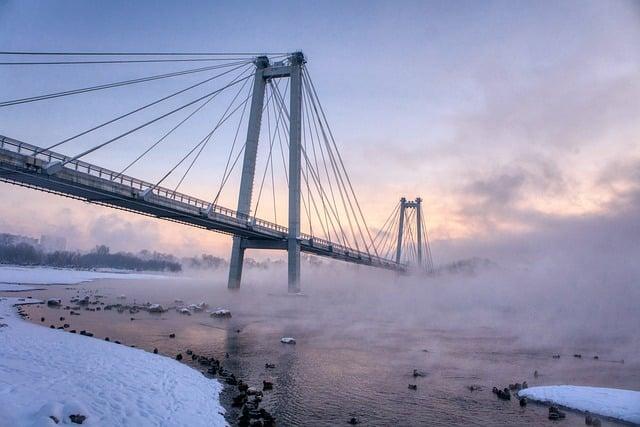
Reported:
(48, 372)
(609, 402)
(14, 278)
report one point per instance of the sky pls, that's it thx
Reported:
(516, 122)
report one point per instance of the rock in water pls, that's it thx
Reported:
(555, 413)
(413, 386)
(353, 421)
(523, 401)
(156, 308)
(220, 312)
(77, 418)
(54, 302)
(287, 340)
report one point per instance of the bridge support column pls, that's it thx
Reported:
(403, 205)
(295, 134)
(419, 229)
(248, 169)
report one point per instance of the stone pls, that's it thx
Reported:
(156, 308)
(555, 413)
(77, 418)
(54, 418)
(54, 302)
(267, 385)
(413, 386)
(220, 313)
(155, 351)
(179, 356)
(239, 400)
(417, 373)
(353, 421)
(270, 365)
(287, 340)
(172, 335)
(523, 401)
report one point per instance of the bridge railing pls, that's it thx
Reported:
(138, 185)
(339, 248)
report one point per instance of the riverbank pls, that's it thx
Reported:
(14, 278)
(49, 374)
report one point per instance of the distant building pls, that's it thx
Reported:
(15, 239)
(52, 243)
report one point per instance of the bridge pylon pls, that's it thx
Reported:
(415, 245)
(265, 71)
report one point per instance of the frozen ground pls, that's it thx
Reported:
(48, 372)
(608, 402)
(14, 278)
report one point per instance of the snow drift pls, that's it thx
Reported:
(48, 372)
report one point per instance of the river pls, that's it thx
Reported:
(358, 344)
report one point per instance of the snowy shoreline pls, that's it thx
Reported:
(15, 278)
(614, 403)
(49, 372)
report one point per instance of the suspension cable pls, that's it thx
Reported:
(155, 144)
(118, 84)
(204, 140)
(97, 147)
(157, 101)
(222, 119)
(306, 75)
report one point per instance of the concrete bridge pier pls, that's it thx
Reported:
(264, 72)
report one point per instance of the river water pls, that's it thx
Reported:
(359, 340)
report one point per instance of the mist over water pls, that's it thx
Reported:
(360, 333)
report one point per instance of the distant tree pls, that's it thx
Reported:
(101, 250)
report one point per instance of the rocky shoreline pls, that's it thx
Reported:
(241, 401)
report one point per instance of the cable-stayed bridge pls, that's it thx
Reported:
(296, 134)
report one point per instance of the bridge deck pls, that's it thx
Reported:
(22, 164)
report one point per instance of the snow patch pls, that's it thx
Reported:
(12, 278)
(287, 340)
(48, 372)
(608, 402)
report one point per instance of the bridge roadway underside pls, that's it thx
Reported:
(27, 171)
